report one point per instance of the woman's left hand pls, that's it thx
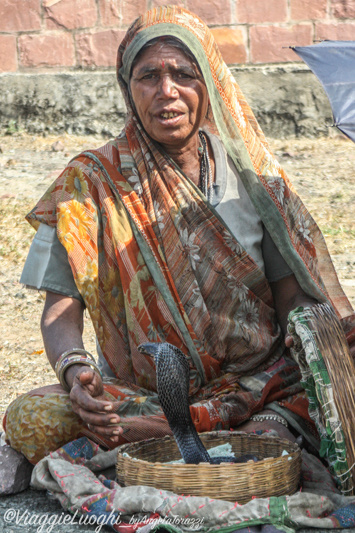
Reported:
(288, 295)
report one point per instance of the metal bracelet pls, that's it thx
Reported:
(275, 418)
(72, 351)
(69, 360)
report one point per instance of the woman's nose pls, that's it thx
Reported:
(168, 86)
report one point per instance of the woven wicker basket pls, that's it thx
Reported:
(272, 476)
(328, 373)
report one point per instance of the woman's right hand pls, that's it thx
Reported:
(62, 329)
(88, 402)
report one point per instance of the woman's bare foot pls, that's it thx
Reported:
(266, 425)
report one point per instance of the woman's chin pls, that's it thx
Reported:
(172, 138)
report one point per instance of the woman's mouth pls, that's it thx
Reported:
(169, 117)
(171, 114)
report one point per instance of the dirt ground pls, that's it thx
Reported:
(322, 170)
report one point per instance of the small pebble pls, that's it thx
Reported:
(57, 146)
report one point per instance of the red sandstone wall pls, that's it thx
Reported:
(57, 34)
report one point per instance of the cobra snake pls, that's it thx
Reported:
(172, 369)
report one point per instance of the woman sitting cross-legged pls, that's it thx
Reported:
(184, 229)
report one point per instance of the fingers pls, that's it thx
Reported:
(88, 392)
(83, 397)
(107, 431)
(93, 410)
(104, 424)
(114, 433)
(90, 380)
(89, 403)
(288, 341)
(96, 419)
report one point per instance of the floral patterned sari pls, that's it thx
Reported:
(153, 261)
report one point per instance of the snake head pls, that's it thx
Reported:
(166, 356)
(149, 348)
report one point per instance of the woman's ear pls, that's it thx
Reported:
(208, 107)
(209, 114)
(133, 107)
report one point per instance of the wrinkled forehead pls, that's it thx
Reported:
(162, 34)
(163, 49)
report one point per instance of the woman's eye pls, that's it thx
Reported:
(183, 76)
(148, 76)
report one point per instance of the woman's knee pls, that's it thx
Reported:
(39, 422)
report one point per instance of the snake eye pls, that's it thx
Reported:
(148, 348)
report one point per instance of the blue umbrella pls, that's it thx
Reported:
(333, 62)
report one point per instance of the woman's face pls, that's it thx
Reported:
(169, 94)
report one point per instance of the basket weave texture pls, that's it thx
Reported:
(328, 371)
(273, 475)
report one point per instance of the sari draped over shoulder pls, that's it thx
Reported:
(153, 260)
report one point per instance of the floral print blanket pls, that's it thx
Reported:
(74, 475)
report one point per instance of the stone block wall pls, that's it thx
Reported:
(59, 35)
